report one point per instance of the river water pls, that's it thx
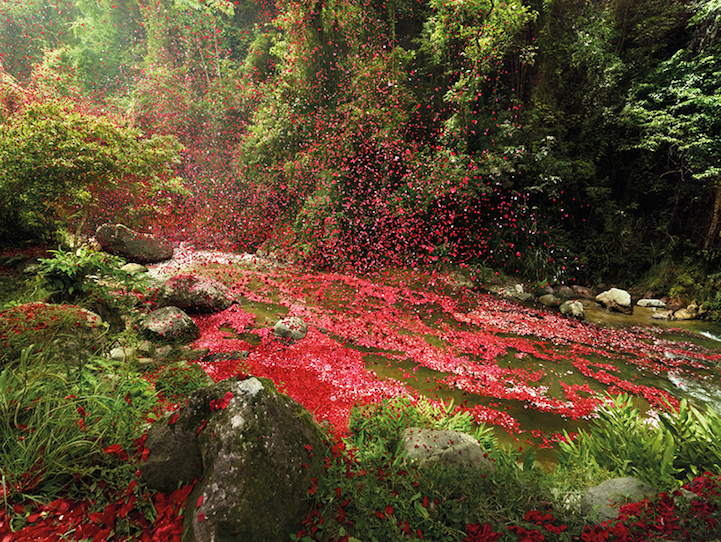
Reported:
(525, 370)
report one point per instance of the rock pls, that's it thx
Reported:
(564, 292)
(146, 363)
(448, 448)
(541, 289)
(254, 452)
(134, 268)
(616, 299)
(549, 300)
(689, 313)
(194, 294)
(602, 502)
(655, 303)
(574, 308)
(123, 354)
(163, 352)
(674, 304)
(292, 328)
(133, 246)
(662, 315)
(524, 297)
(169, 324)
(187, 352)
(582, 291)
(146, 348)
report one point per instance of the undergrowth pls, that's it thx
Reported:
(69, 430)
(371, 492)
(681, 446)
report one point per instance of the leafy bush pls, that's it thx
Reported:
(59, 162)
(74, 274)
(685, 444)
(371, 492)
(63, 428)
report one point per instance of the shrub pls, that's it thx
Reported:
(371, 492)
(686, 443)
(71, 275)
(64, 428)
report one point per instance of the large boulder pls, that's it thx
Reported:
(549, 300)
(169, 324)
(602, 502)
(194, 294)
(448, 448)
(688, 313)
(564, 292)
(616, 299)
(254, 453)
(291, 328)
(574, 308)
(133, 246)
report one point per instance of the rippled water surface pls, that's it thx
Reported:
(528, 371)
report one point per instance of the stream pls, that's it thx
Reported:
(527, 371)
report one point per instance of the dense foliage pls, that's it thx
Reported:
(558, 138)
(58, 163)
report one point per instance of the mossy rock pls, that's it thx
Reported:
(258, 465)
(254, 452)
(61, 331)
(169, 325)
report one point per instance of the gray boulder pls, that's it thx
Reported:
(133, 246)
(549, 300)
(292, 328)
(448, 448)
(169, 324)
(616, 299)
(602, 502)
(583, 291)
(564, 292)
(689, 313)
(656, 303)
(574, 308)
(254, 453)
(123, 353)
(194, 294)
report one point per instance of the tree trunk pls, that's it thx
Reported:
(79, 229)
(713, 228)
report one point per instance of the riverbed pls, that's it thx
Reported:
(527, 371)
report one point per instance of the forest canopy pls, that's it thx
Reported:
(556, 139)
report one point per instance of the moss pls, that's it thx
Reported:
(57, 329)
(257, 467)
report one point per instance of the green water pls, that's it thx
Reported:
(344, 300)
